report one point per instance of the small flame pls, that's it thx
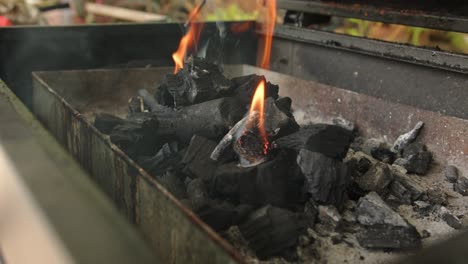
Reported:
(269, 22)
(257, 114)
(188, 41)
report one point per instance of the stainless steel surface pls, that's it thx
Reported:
(66, 102)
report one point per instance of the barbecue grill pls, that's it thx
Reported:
(364, 81)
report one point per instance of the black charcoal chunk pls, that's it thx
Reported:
(196, 161)
(461, 186)
(383, 154)
(422, 207)
(136, 136)
(363, 165)
(371, 144)
(106, 122)
(197, 193)
(383, 227)
(377, 178)
(329, 217)
(284, 104)
(173, 181)
(222, 215)
(408, 182)
(450, 219)
(167, 157)
(406, 138)
(400, 192)
(311, 212)
(451, 174)
(418, 159)
(330, 140)
(436, 196)
(278, 123)
(244, 87)
(326, 178)
(271, 230)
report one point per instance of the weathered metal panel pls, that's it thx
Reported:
(175, 233)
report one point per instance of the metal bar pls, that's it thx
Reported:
(397, 15)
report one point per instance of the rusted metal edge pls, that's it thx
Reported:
(186, 212)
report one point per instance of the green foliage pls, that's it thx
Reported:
(231, 13)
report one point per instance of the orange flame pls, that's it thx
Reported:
(257, 113)
(270, 21)
(188, 41)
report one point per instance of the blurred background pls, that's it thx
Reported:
(73, 12)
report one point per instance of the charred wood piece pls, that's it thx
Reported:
(330, 140)
(222, 215)
(271, 230)
(405, 139)
(326, 179)
(377, 178)
(196, 161)
(244, 87)
(416, 158)
(106, 122)
(167, 157)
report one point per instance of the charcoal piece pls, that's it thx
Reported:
(372, 210)
(436, 196)
(136, 136)
(406, 138)
(383, 154)
(451, 174)
(137, 105)
(277, 122)
(196, 161)
(222, 215)
(173, 181)
(377, 178)
(363, 165)
(271, 230)
(371, 144)
(393, 237)
(178, 86)
(423, 207)
(271, 182)
(326, 178)
(105, 123)
(400, 192)
(383, 227)
(450, 219)
(284, 104)
(418, 159)
(410, 184)
(330, 140)
(244, 87)
(197, 193)
(150, 102)
(167, 157)
(210, 119)
(162, 95)
(311, 212)
(461, 186)
(329, 217)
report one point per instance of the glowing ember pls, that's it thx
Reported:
(269, 22)
(188, 41)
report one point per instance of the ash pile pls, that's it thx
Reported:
(276, 193)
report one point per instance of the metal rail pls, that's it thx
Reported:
(401, 12)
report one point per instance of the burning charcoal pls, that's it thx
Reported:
(197, 193)
(326, 178)
(268, 183)
(461, 186)
(221, 215)
(166, 157)
(383, 227)
(197, 162)
(244, 87)
(451, 174)
(136, 136)
(377, 178)
(106, 122)
(271, 230)
(311, 212)
(329, 217)
(406, 181)
(332, 141)
(405, 139)
(450, 219)
(436, 196)
(383, 154)
(173, 181)
(418, 159)
(210, 119)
